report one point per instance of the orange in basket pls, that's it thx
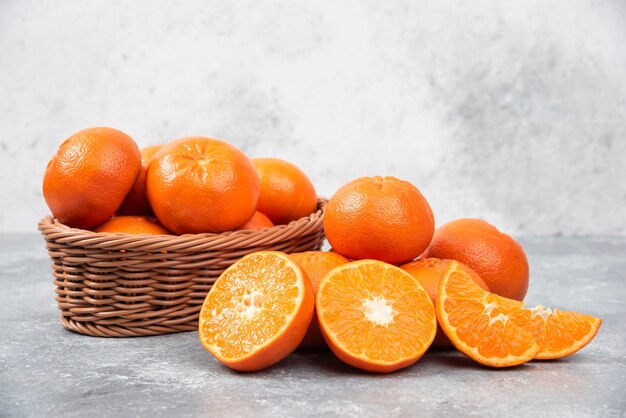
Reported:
(286, 192)
(199, 184)
(90, 175)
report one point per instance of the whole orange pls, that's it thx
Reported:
(497, 258)
(258, 221)
(316, 265)
(90, 175)
(136, 202)
(429, 271)
(287, 193)
(199, 184)
(382, 218)
(133, 225)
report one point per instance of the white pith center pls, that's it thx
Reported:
(500, 317)
(488, 310)
(541, 311)
(378, 310)
(250, 303)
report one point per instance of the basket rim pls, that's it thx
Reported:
(51, 228)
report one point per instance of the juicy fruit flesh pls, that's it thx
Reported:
(497, 328)
(247, 307)
(381, 317)
(478, 324)
(483, 325)
(559, 333)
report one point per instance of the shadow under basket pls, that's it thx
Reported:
(123, 285)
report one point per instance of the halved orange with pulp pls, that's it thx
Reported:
(375, 316)
(257, 312)
(477, 323)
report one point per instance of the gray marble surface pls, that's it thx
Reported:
(48, 371)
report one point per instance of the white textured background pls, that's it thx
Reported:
(510, 111)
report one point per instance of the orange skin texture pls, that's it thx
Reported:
(429, 271)
(287, 193)
(88, 178)
(199, 184)
(133, 225)
(258, 221)
(497, 258)
(316, 265)
(136, 202)
(381, 218)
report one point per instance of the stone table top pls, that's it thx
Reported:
(48, 371)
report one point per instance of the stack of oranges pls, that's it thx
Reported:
(390, 287)
(100, 180)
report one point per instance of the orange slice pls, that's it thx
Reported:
(257, 312)
(558, 333)
(476, 322)
(375, 316)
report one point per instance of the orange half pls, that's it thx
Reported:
(477, 323)
(375, 316)
(257, 312)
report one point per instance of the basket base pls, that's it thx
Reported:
(95, 330)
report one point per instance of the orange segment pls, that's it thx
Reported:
(559, 333)
(257, 312)
(375, 316)
(477, 322)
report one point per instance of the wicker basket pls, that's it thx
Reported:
(122, 285)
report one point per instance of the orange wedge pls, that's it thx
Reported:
(558, 333)
(476, 322)
(375, 316)
(257, 312)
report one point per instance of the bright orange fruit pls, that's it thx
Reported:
(429, 271)
(381, 218)
(257, 312)
(133, 225)
(287, 193)
(477, 323)
(465, 311)
(316, 264)
(497, 258)
(558, 333)
(136, 201)
(375, 316)
(258, 221)
(90, 175)
(199, 184)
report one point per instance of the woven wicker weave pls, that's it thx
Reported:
(121, 285)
